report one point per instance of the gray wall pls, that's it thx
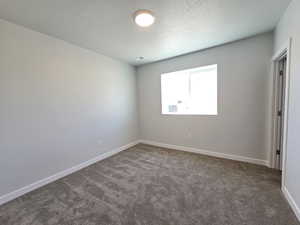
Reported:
(289, 27)
(242, 126)
(57, 102)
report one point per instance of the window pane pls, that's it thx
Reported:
(190, 91)
(175, 89)
(204, 91)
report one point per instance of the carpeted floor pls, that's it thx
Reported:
(151, 186)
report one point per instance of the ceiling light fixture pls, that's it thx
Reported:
(143, 18)
(140, 58)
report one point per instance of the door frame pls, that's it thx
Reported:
(285, 50)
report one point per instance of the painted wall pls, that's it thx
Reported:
(242, 126)
(289, 27)
(60, 105)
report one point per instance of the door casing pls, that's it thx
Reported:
(285, 50)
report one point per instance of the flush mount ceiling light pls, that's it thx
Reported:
(143, 18)
(140, 58)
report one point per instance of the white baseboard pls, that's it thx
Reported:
(15, 194)
(209, 153)
(292, 202)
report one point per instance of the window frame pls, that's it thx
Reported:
(192, 114)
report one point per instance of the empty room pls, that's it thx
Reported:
(136, 112)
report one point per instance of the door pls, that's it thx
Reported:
(280, 110)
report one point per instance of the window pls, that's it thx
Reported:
(190, 92)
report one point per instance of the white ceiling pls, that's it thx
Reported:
(182, 26)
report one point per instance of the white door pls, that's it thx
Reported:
(280, 110)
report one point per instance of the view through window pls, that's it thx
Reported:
(190, 92)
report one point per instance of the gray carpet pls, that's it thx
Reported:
(151, 186)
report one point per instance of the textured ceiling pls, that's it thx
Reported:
(182, 26)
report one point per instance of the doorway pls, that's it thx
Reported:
(280, 114)
(280, 62)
